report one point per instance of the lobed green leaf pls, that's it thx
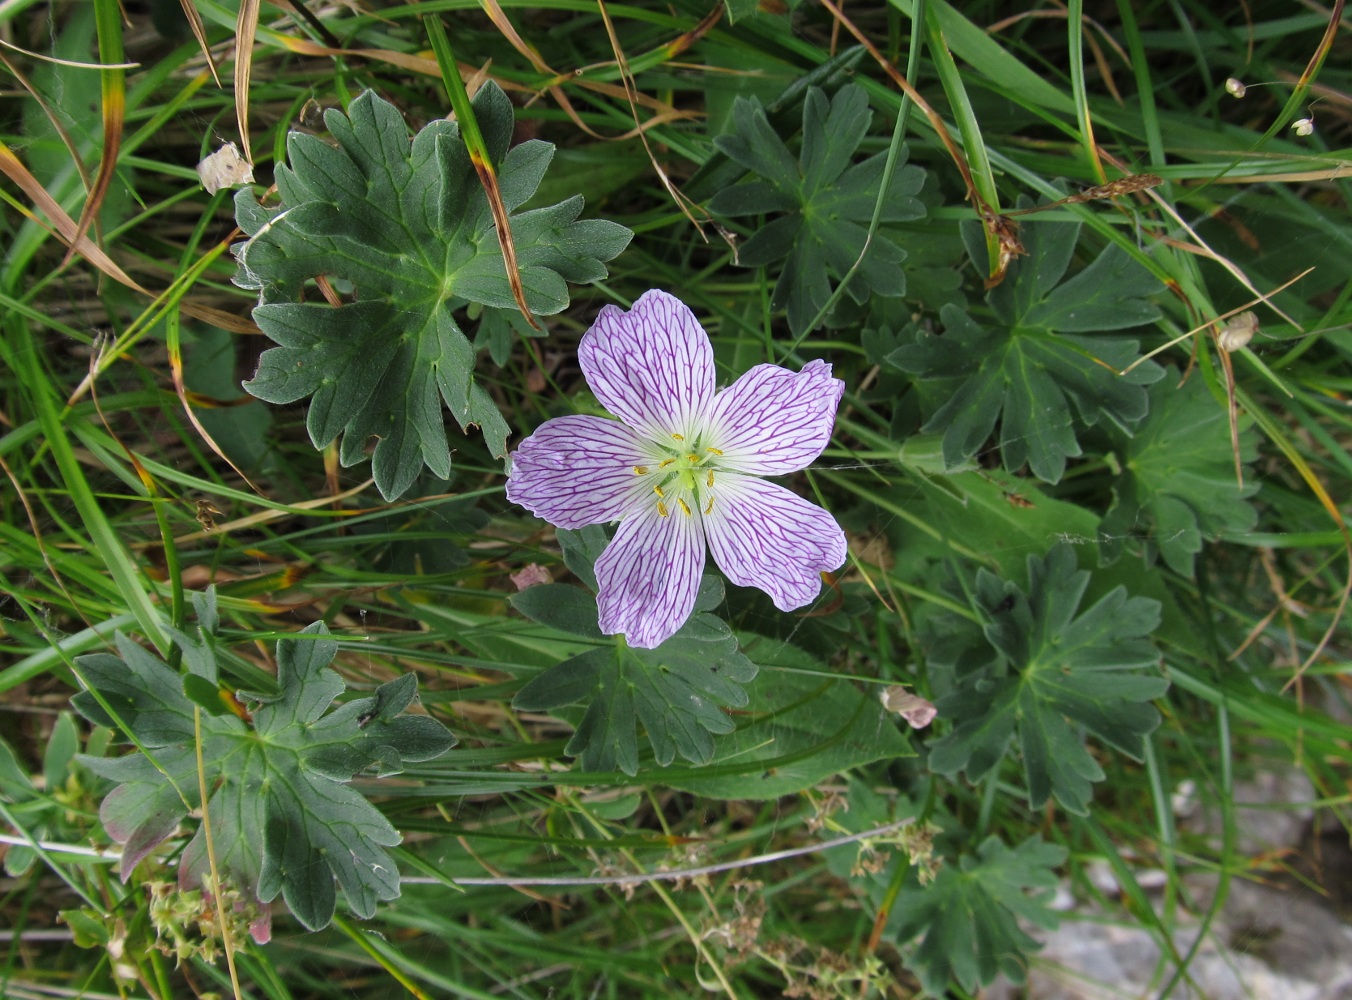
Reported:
(1030, 369)
(829, 199)
(1044, 672)
(1177, 485)
(408, 227)
(283, 821)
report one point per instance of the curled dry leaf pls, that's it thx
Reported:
(1238, 331)
(225, 168)
(917, 711)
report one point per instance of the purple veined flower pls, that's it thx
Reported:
(680, 470)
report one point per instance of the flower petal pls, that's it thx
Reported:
(648, 576)
(578, 470)
(653, 366)
(772, 420)
(761, 535)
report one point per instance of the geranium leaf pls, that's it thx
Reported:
(676, 691)
(830, 200)
(796, 730)
(283, 819)
(969, 914)
(1029, 370)
(1043, 672)
(1178, 478)
(406, 226)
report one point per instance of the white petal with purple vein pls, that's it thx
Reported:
(761, 535)
(579, 470)
(653, 366)
(772, 421)
(648, 576)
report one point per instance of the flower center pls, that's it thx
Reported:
(683, 477)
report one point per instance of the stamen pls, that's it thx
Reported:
(640, 470)
(710, 480)
(666, 462)
(684, 506)
(710, 507)
(679, 437)
(714, 451)
(662, 508)
(658, 491)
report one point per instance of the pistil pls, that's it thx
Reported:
(678, 478)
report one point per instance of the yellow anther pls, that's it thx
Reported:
(692, 459)
(714, 451)
(640, 470)
(662, 508)
(709, 508)
(679, 437)
(666, 462)
(684, 506)
(710, 480)
(658, 491)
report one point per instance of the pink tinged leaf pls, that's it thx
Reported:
(260, 929)
(761, 535)
(648, 576)
(772, 421)
(653, 366)
(145, 838)
(579, 470)
(531, 575)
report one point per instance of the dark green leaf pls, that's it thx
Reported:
(1026, 371)
(581, 549)
(675, 691)
(15, 785)
(795, 731)
(1178, 478)
(408, 226)
(61, 748)
(558, 605)
(829, 198)
(969, 914)
(282, 818)
(1043, 672)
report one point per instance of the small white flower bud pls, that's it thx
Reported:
(1303, 127)
(1236, 88)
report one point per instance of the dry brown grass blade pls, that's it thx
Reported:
(219, 317)
(508, 31)
(555, 89)
(65, 226)
(36, 528)
(428, 67)
(1199, 246)
(113, 92)
(687, 207)
(686, 39)
(199, 32)
(246, 27)
(1223, 316)
(989, 217)
(181, 390)
(1322, 49)
(66, 62)
(47, 110)
(488, 179)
